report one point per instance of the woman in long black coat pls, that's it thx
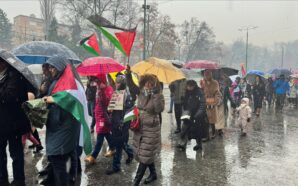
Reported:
(258, 95)
(194, 105)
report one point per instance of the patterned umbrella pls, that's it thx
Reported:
(201, 64)
(95, 66)
(280, 71)
(38, 52)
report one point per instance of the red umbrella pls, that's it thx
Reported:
(201, 64)
(95, 66)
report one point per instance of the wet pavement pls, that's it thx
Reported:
(267, 156)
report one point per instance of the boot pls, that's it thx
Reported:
(90, 159)
(38, 149)
(198, 146)
(110, 153)
(213, 131)
(152, 177)
(45, 170)
(140, 173)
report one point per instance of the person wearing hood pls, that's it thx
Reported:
(120, 130)
(244, 111)
(282, 87)
(102, 117)
(147, 140)
(13, 122)
(195, 109)
(63, 130)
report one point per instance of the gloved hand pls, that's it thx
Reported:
(248, 119)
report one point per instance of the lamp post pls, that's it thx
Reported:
(145, 7)
(246, 50)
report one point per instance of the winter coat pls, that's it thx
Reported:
(244, 113)
(103, 98)
(91, 93)
(194, 102)
(13, 92)
(281, 87)
(120, 130)
(147, 140)
(177, 89)
(63, 130)
(213, 99)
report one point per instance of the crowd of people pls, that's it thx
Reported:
(200, 109)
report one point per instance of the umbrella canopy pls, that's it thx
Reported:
(38, 52)
(294, 75)
(134, 76)
(216, 73)
(95, 66)
(163, 69)
(201, 64)
(21, 67)
(255, 72)
(251, 76)
(280, 71)
(177, 63)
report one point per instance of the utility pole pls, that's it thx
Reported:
(145, 7)
(282, 56)
(246, 50)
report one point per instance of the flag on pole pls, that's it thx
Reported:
(121, 38)
(132, 115)
(69, 94)
(243, 71)
(90, 44)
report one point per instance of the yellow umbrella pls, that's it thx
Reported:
(134, 77)
(163, 69)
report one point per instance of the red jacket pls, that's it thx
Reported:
(103, 98)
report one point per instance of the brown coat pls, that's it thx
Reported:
(147, 140)
(213, 99)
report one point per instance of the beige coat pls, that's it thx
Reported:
(213, 99)
(147, 141)
(244, 113)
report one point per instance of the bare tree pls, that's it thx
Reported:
(47, 8)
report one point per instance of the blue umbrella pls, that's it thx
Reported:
(255, 72)
(280, 71)
(37, 52)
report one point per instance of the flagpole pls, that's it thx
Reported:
(144, 37)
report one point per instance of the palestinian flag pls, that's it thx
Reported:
(69, 94)
(243, 71)
(121, 38)
(91, 45)
(132, 115)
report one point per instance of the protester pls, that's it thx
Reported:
(177, 89)
(258, 95)
(293, 93)
(244, 111)
(147, 140)
(195, 109)
(120, 130)
(227, 97)
(282, 87)
(91, 97)
(13, 122)
(63, 129)
(171, 104)
(102, 118)
(213, 98)
(269, 91)
(237, 91)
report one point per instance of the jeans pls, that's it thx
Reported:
(99, 142)
(129, 151)
(91, 105)
(75, 162)
(178, 113)
(17, 155)
(118, 155)
(269, 98)
(58, 163)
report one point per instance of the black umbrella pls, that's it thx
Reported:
(223, 70)
(37, 52)
(21, 67)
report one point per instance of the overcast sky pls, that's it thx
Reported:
(276, 20)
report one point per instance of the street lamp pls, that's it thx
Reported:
(246, 50)
(145, 7)
(178, 42)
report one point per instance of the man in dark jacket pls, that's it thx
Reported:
(194, 106)
(120, 130)
(91, 96)
(13, 122)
